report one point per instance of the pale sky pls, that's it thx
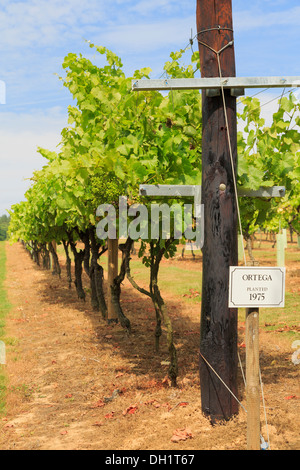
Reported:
(36, 35)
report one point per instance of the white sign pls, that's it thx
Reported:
(256, 286)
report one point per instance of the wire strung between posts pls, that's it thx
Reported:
(241, 405)
(264, 406)
(241, 367)
(225, 385)
(231, 154)
(252, 96)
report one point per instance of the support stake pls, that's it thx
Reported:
(252, 379)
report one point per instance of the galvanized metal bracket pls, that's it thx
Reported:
(211, 92)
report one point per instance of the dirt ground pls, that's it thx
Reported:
(75, 383)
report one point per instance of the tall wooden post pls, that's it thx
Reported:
(112, 273)
(252, 379)
(218, 343)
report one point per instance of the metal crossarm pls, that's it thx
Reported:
(164, 190)
(215, 83)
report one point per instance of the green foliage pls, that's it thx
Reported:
(4, 223)
(270, 156)
(116, 140)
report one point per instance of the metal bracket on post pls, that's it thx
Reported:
(211, 92)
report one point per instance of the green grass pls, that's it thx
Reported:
(283, 321)
(174, 280)
(4, 309)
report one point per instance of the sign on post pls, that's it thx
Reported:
(254, 287)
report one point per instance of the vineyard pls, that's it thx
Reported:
(65, 363)
(144, 360)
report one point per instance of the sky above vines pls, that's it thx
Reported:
(37, 34)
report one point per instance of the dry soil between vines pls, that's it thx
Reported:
(64, 362)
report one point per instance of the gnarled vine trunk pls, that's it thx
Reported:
(78, 259)
(162, 312)
(45, 256)
(56, 265)
(68, 263)
(116, 286)
(97, 276)
(156, 255)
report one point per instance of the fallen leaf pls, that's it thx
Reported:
(182, 435)
(109, 415)
(69, 395)
(291, 397)
(120, 374)
(193, 294)
(130, 410)
(97, 423)
(64, 433)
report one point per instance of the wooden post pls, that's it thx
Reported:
(252, 379)
(280, 249)
(112, 273)
(218, 343)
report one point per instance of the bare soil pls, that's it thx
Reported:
(75, 383)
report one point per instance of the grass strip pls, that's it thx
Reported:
(4, 309)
